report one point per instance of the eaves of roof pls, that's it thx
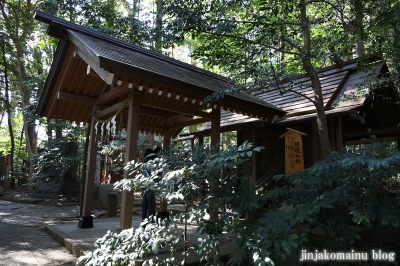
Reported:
(108, 53)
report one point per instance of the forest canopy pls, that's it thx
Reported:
(256, 43)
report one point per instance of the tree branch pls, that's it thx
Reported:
(332, 5)
(252, 42)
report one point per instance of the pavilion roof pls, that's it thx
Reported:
(93, 74)
(335, 83)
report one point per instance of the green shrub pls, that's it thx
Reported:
(339, 194)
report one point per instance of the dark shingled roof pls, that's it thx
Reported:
(335, 82)
(126, 55)
(103, 49)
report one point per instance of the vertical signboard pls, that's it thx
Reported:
(294, 157)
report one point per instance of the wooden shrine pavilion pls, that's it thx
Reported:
(94, 78)
(351, 120)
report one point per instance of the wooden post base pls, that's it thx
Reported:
(85, 222)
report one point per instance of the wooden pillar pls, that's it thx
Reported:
(332, 133)
(130, 154)
(86, 221)
(215, 139)
(253, 174)
(201, 140)
(163, 211)
(339, 134)
(245, 136)
(215, 127)
(250, 166)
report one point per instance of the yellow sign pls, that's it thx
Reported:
(294, 157)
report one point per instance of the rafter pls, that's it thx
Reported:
(189, 123)
(64, 72)
(109, 110)
(112, 94)
(103, 74)
(153, 112)
(76, 98)
(150, 125)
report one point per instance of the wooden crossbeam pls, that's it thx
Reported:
(76, 98)
(153, 113)
(150, 125)
(144, 111)
(109, 110)
(112, 94)
(176, 108)
(189, 123)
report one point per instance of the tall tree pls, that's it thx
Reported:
(248, 39)
(382, 32)
(18, 22)
(9, 114)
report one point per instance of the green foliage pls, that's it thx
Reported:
(355, 187)
(342, 195)
(116, 18)
(181, 175)
(247, 38)
(67, 151)
(260, 43)
(115, 149)
(151, 237)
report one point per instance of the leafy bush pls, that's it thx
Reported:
(360, 188)
(67, 151)
(336, 194)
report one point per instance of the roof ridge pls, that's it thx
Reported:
(54, 21)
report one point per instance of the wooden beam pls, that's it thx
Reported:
(86, 219)
(339, 134)
(130, 154)
(215, 127)
(176, 108)
(112, 94)
(153, 113)
(103, 74)
(76, 98)
(253, 161)
(163, 212)
(117, 106)
(151, 125)
(109, 110)
(189, 123)
(177, 116)
(91, 72)
(215, 139)
(370, 141)
(332, 132)
(63, 72)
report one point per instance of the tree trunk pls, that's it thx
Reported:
(49, 130)
(359, 28)
(58, 125)
(158, 29)
(29, 126)
(23, 28)
(136, 8)
(315, 83)
(8, 110)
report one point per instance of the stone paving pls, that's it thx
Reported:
(23, 240)
(32, 234)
